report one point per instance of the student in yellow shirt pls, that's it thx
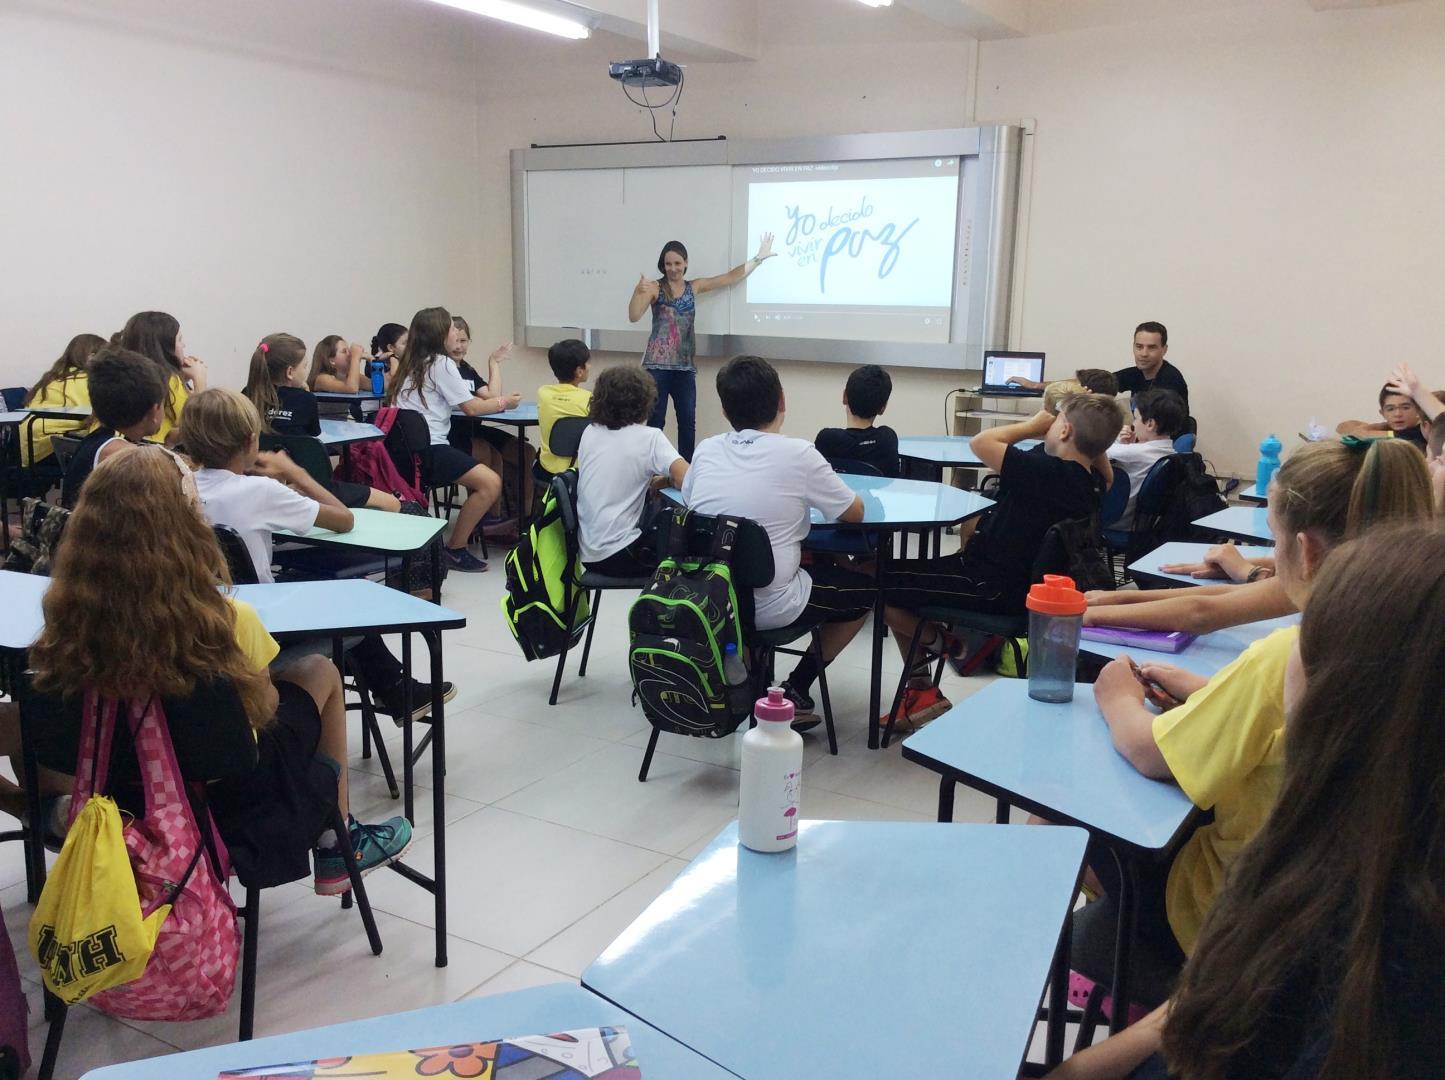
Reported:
(64, 384)
(1225, 744)
(158, 336)
(570, 361)
(134, 609)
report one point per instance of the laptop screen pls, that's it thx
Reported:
(999, 367)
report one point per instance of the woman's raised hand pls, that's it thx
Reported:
(765, 248)
(647, 287)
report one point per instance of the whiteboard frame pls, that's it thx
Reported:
(989, 159)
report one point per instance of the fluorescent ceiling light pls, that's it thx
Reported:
(522, 15)
(877, 3)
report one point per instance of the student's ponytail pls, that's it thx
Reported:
(269, 363)
(1338, 490)
(1393, 485)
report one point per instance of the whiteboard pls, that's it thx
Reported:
(592, 232)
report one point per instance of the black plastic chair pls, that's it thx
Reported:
(1116, 541)
(407, 443)
(752, 568)
(566, 437)
(307, 451)
(225, 750)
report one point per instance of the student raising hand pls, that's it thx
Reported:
(1404, 381)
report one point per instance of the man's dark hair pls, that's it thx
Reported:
(566, 357)
(1165, 408)
(124, 386)
(1154, 328)
(867, 391)
(749, 389)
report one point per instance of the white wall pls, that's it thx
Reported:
(248, 168)
(1260, 177)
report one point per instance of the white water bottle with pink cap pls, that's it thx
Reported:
(772, 777)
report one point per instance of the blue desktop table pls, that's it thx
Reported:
(542, 1010)
(898, 949)
(337, 433)
(1207, 653)
(521, 418)
(947, 450)
(1178, 552)
(1253, 494)
(1057, 761)
(1241, 522)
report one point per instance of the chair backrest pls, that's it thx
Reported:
(238, 558)
(566, 436)
(408, 436)
(14, 397)
(752, 554)
(1073, 547)
(564, 490)
(65, 447)
(1117, 498)
(1184, 444)
(857, 468)
(306, 451)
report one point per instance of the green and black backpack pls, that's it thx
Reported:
(543, 590)
(681, 626)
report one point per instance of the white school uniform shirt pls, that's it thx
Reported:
(1136, 459)
(774, 480)
(255, 506)
(442, 390)
(613, 469)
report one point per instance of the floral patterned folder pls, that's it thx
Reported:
(586, 1054)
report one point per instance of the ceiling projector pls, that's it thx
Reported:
(652, 72)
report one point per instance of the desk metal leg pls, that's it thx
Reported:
(875, 683)
(946, 787)
(521, 477)
(408, 792)
(1059, 996)
(1000, 812)
(438, 774)
(436, 570)
(1123, 942)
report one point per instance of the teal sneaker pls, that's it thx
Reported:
(375, 846)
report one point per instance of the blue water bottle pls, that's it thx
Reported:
(378, 377)
(1268, 463)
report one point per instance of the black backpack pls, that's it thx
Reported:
(680, 628)
(1176, 492)
(1075, 548)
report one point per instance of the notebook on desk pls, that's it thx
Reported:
(1165, 641)
(1000, 367)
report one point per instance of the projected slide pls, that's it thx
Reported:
(866, 250)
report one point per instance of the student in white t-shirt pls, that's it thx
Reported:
(756, 472)
(617, 459)
(427, 380)
(1159, 420)
(256, 494)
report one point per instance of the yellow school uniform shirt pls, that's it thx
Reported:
(74, 390)
(176, 397)
(257, 646)
(1225, 747)
(553, 403)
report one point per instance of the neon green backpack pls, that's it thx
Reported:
(544, 605)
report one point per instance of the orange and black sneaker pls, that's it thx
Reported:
(919, 706)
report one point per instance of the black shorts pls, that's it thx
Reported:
(838, 595)
(950, 581)
(465, 429)
(446, 464)
(271, 818)
(351, 494)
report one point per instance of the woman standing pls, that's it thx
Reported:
(671, 349)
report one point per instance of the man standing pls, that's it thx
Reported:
(1151, 371)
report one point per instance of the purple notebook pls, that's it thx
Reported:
(1165, 641)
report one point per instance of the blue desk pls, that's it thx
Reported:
(403, 536)
(314, 609)
(346, 396)
(522, 417)
(1253, 494)
(20, 597)
(872, 949)
(1057, 761)
(947, 450)
(345, 432)
(1207, 653)
(1240, 522)
(541, 1010)
(1177, 552)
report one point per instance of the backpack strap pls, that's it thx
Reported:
(160, 773)
(677, 533)
(92, 760)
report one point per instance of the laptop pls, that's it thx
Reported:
(999, 367)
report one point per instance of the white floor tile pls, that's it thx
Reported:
(520, 975)
(582, 942)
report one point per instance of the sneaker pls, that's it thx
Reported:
(803, 718)
(375, 846)
(918, 707)
(390, 702)
(464, 561)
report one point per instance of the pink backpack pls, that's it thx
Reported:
(370, 463)
(192, 970)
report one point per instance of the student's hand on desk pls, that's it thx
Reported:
(1117, 683)
(509, 401)
(1175, 680)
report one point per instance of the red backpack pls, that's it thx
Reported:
(371, 463)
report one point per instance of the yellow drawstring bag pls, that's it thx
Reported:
(87, 933)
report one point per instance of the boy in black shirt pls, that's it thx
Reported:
(1151, 371)
(127, 396)
(993, 573)
(864, 397)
